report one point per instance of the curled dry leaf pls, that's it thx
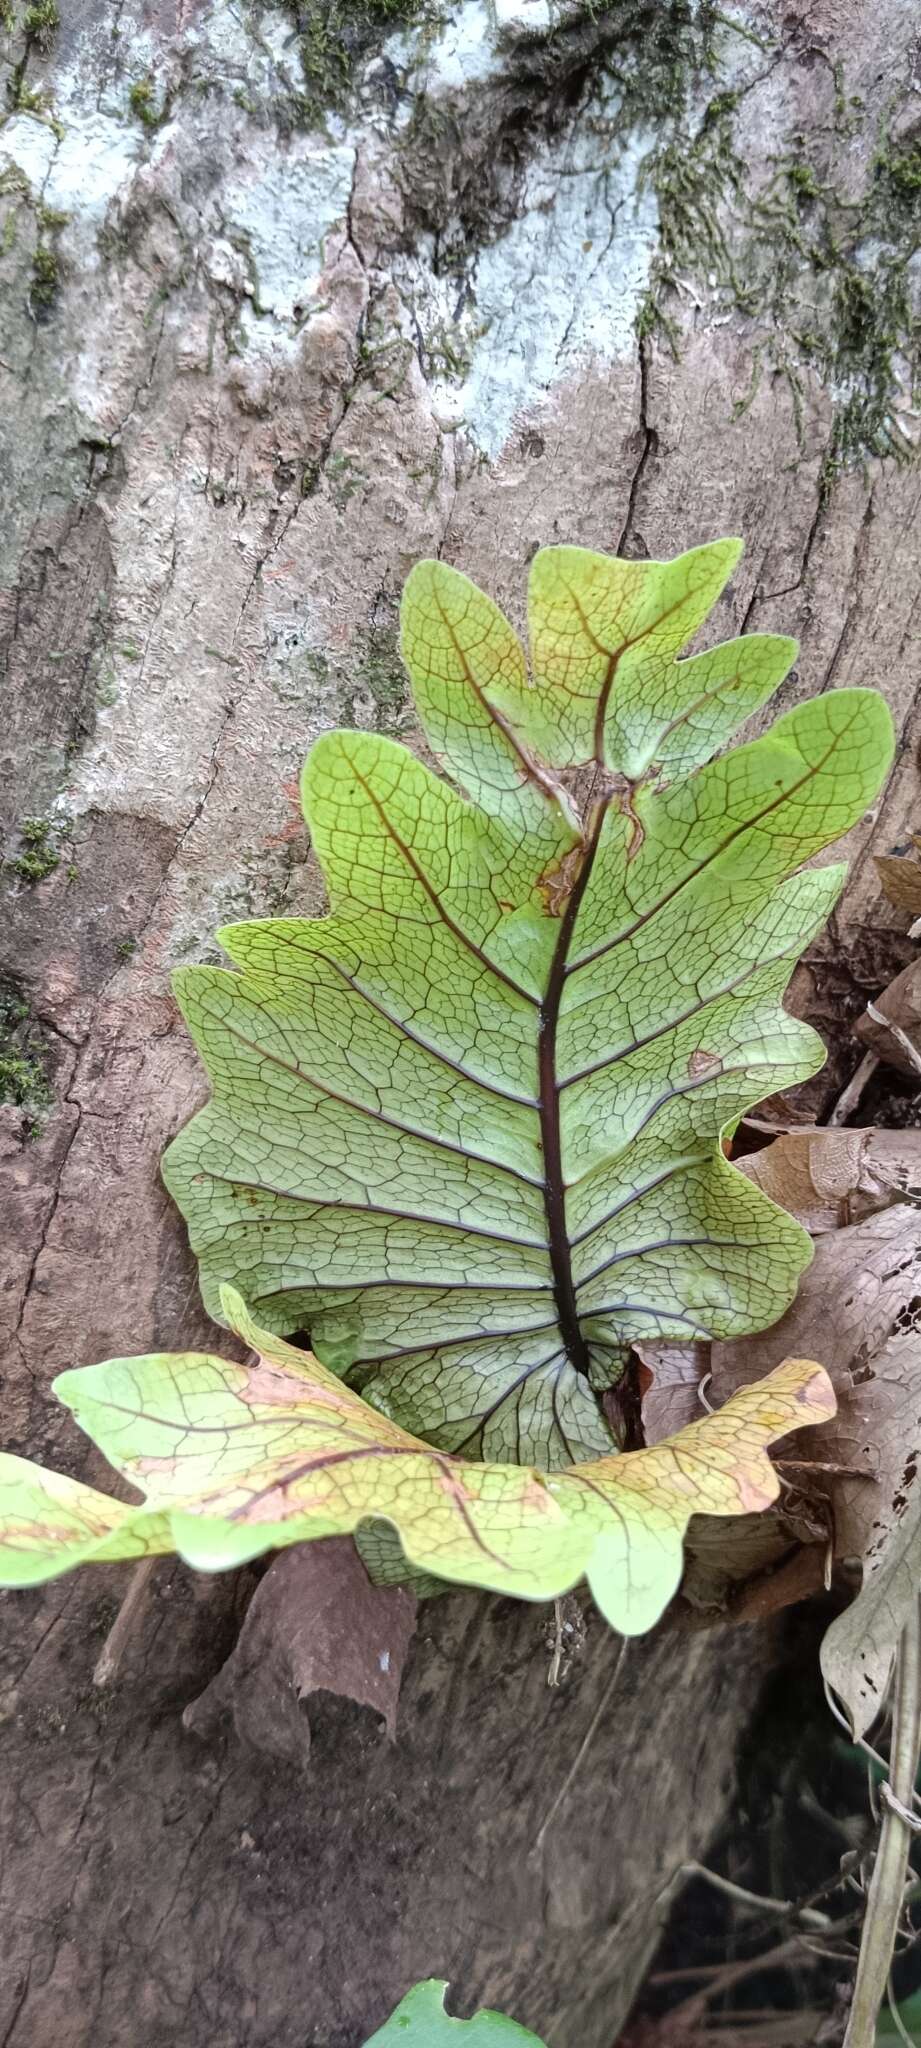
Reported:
(900, 876)
(717, 1573)
(861, 1302)
(670, 1376)
(315, 1624)
(860, 1645)
(828, 1178)
(236, 1460)
(891, 1026)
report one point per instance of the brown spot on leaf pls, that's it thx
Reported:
(702, 1062)
(557, 882)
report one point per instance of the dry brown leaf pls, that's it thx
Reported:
(829, 1178)
(859, 1311)
(860, 1645)
(315, 1624)
(901, 880)
(891, 1026)
(669, 1381)
(717, 1573)
(795, 1579)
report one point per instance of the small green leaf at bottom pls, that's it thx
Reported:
(420, 2021)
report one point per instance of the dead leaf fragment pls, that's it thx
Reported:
(859, 1647)
(669, 1379)
(892, 1025)
(830, 1178)
(315, 1624)
(901, 880)
(859, 1309)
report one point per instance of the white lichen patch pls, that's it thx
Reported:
(467, 45)
(280, 211)
(94, 159)
(456, 54)
(563, 285)
(27, 145)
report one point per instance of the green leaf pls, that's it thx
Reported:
(466, 1129)
(886, 2029)
(237, 1459)
(420, 2021)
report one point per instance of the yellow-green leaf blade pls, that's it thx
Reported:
(467, 669)
(49, 1523)
(244, 1458)
(719, 1466)
(604, 634)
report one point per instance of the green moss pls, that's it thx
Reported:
(334, 40)
(897, 180)
(46, 277)
(37, 857)
(27, 99)
(50, 218)
(379, 674)
(903, 175)
(142, 100)
(23, 1057)
(125, 949)
(823, 276)
(345, 477)
(41, 22)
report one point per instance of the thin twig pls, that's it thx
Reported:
(912, 1820)
(787, 1909)
(732, 1973)
(110, 1656)
(850, 1096)
(553, 1675)
(887, 1885)
(578, 1759)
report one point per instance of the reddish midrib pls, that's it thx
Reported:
(554, 1187)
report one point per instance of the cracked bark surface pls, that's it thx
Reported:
(224, 442)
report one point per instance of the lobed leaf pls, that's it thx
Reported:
(466, 1129)
(236, 1460)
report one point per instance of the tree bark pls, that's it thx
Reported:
(287, 300)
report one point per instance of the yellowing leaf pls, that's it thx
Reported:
(465, 1130)
(49, 1523)
(237, 1460)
